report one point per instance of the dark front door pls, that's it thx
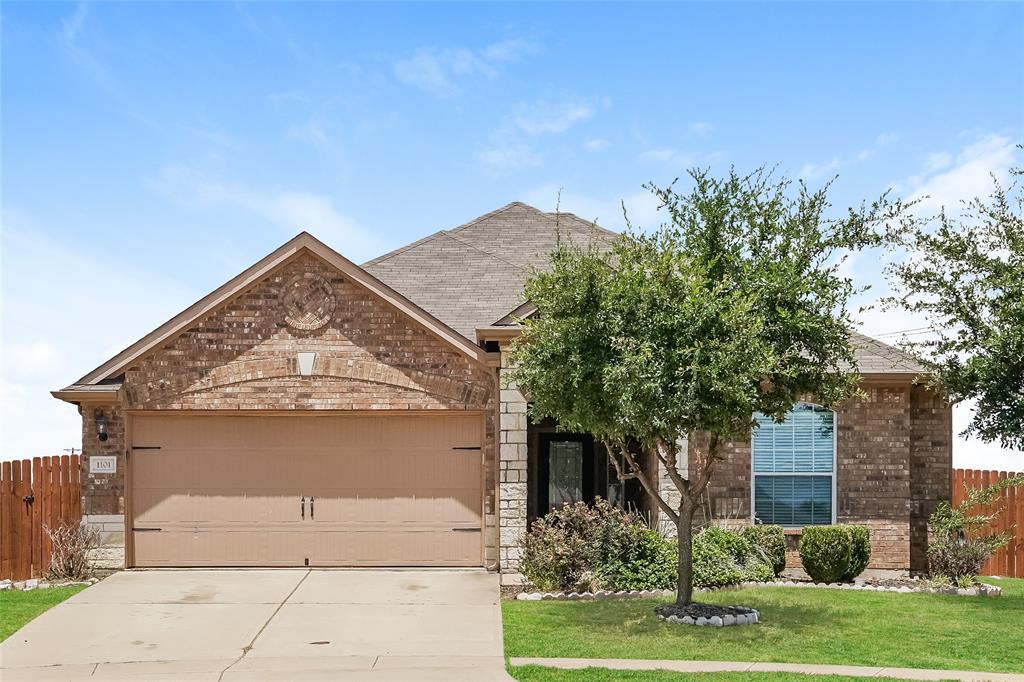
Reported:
(566, 470)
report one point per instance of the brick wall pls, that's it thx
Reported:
(243, 356)
(894, 453)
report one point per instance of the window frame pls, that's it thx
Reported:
(834, 475)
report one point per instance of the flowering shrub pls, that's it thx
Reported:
(567, 549)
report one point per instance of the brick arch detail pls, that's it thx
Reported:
(472, 394)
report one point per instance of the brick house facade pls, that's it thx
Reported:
(423, 331)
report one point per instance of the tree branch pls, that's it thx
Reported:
(645, 481)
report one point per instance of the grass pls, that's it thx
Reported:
(798, 625)
(17, 608)
(534, 673)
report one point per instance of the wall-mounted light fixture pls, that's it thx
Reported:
(101, 424)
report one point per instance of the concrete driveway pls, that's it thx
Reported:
(283, 624)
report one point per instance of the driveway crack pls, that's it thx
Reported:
(247, 648)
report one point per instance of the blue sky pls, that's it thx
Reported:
(151, 151)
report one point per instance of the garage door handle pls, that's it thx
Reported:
(303, 507)
(311, 513)
(466, 530)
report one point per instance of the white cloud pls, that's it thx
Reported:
(510, 147)
(31, 358)
(510, 156)
(511, 50)
(311, 131)
(811, 171)
(596, 144)
(701, 128)
(970, 174)
(437, 70)
(293, 210)
(72, 26)
(551, 117)
(937, 161)
(886, 139)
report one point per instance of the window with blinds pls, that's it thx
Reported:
(794, 467)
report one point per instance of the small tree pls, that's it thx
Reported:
(965, 274)
(735, 306)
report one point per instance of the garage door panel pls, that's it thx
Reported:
(228, 491)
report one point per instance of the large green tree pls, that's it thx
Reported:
(736, 305)
(965, 274)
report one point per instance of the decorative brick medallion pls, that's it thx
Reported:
(308, 301)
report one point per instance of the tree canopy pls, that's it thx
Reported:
(965, 274)
(737, 304)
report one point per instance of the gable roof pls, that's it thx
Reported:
(98, 380)
(474, 274)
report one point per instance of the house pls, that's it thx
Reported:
(312, 411)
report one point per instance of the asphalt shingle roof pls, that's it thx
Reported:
(473, 275)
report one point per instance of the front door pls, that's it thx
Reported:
(567, 465)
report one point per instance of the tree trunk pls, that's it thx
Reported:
(684, 535)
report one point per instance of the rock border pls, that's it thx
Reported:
(981, 590)
(753, 616)
(38, 584)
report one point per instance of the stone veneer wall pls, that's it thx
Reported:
(243, 357)
(512, 468)
(894, 453)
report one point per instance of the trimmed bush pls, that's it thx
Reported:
(825, 552)
(771, 540)
(860, 551)
(648, 563)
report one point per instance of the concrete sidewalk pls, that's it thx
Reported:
(284, 624)
(728, 666)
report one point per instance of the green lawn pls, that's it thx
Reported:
(18, 608)
(533, 673)
(798, 625)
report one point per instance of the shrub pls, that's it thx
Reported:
(737, 546)
(71, 544)
(569, 547)
(825, 552)
(758, 570)
(860, 551)
(771, 540)
(713, 566)
(954, 560)
(951, 554)
(648, 563)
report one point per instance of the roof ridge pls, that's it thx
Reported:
(439, 233)
(489, 214)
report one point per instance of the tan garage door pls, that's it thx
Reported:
(359, 490)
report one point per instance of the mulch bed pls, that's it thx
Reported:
(697, 610)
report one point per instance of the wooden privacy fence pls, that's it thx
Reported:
(44, 491)
(1008, 561)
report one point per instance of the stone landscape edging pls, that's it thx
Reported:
(39, 584)
(982, 590)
